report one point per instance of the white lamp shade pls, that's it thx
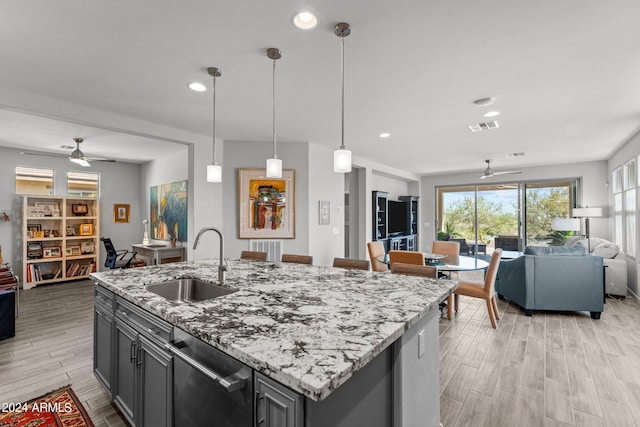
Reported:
(274, 168)
(587, 212)
(214, 173)
(565, 224)
(342, 161)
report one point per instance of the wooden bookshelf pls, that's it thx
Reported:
(59, 239)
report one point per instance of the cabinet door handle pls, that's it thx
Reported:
(139, 355)
(132, 351)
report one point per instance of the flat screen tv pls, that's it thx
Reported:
(396, 217)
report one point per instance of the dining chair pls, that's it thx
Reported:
(414, 269)
(253, 255)
(484, 290)
(352, 264)
(407, 257)
(297, 259)
(376, 254)
(449, 248)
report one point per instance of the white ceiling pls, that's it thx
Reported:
(564, 74)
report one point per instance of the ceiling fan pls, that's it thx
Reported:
(76, 156)
(489, 173)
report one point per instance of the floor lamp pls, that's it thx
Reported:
(587, 213)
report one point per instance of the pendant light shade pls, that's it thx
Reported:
(274, 164)
(214, 171)
(342, 156)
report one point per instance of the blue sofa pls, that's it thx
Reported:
(556, 278)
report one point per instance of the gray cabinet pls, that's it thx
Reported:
(103, 333)
(277, 405)
(133, 368)
(142, 369)
(155, 384)
(126, 341)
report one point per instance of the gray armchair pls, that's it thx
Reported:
(553, 278)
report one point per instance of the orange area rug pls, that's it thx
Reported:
(58, 408)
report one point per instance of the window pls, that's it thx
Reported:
(34, 181)
(624, 206)
(507, 215)
(83, 184)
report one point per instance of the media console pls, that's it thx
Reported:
(395, 222)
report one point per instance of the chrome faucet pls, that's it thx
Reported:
(221, 268)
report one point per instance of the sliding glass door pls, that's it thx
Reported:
(507, 215)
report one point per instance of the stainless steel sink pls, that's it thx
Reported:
(188, 290)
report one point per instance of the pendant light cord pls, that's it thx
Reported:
(214, 120)
(275, 155)
(342, 147)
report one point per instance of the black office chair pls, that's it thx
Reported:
(118, 259)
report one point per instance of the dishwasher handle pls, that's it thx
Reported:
(231, 383)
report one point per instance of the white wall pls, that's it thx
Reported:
(594, 192)
(395, 187)
(119, 183)
(325, 241)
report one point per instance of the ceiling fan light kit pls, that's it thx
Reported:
(77, 156)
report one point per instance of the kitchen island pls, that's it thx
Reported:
(319, 331)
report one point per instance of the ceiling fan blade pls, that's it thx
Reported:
(506, 172)
(41, 153)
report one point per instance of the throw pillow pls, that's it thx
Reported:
(606, 250)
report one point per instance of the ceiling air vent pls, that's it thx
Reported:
(477, 127)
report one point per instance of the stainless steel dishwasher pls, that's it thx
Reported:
(210, 388)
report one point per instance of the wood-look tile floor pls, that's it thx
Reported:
(53, 347)
(552, 369)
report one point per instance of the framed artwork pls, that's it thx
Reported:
(32, 228)
(73, 250)
(266, 205)
(38, 234)
(324, 209)
(169, 211)
(87, 248)
(86, 229)
(121, 212)
(47, 208)
(51, 252)
(79, 209)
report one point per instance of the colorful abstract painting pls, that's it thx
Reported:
(169, 211)
(266, 205)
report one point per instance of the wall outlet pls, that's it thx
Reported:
(422, 344)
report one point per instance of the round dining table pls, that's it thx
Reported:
(465, 263)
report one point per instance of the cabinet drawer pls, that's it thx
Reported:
(147, 324)
(103, 298)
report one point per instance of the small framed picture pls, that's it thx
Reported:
(86, 229)
(121, 212)
(79, 209)
(71, 231)
(87, 248)
(38, 234)
(51, 252)
(73, 250)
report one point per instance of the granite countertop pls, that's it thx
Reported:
(307, 327)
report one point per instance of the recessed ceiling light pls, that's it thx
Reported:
(198, 87)
(384, 135)
(483, 101)
(305, 20)
(491, 114)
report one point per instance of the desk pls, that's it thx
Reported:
(160, 254)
